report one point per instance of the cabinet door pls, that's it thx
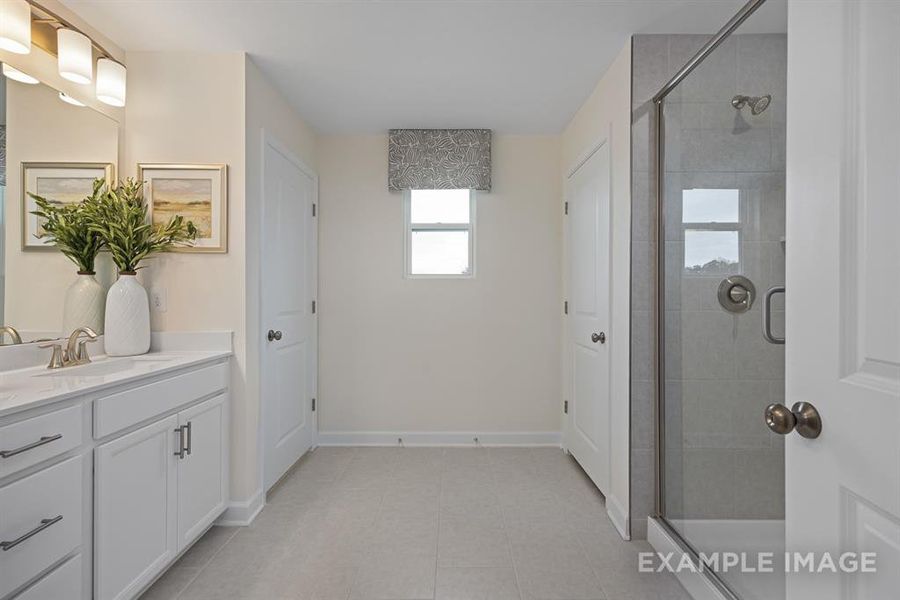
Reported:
(202, 475)
(135, 502)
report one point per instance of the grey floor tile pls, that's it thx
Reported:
(476, 584)
(172, 583)
(467, 542)
(386, 577)
(422, 524)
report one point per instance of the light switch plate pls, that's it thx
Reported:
(158, 299)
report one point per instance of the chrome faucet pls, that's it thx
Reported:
(11, 332)
(75, 353)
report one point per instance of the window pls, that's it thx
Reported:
(712, 231)
(440, 231)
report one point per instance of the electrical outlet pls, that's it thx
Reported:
(158, 300)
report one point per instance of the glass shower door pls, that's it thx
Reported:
(723, 215)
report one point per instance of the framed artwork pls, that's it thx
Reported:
(59, 183)
(199, 193)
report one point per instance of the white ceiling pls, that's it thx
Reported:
(515, 66)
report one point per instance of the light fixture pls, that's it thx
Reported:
(110, 82)
(76, 61)
(15, 26)
(17, 75)
(69, 99)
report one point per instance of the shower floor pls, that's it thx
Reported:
(741, 536)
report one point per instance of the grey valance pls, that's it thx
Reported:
(427, 159)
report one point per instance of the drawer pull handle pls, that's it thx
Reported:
(45, 523)
(44, 440)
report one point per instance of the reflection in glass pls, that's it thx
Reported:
(710, 206)
(711, 252)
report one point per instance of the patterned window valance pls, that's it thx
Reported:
(427, 159)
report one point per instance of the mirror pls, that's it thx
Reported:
(55, 149)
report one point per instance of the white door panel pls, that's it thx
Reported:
(588, 351)
(135, 508)
(201, 473)
(287, 293)
(843, 281)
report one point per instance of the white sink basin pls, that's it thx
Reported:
(109, 366)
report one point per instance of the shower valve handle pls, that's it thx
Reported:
(803, 417)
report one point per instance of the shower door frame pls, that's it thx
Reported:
(659, 164)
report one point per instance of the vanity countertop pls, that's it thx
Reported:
(24, 389)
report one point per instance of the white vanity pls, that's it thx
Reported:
(110, 470)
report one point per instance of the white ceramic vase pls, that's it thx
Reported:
(127, 330)
(84, 304)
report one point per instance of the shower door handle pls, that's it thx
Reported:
(767, 315)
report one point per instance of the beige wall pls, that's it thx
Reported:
(607, 113)
(266, 110)
(41, 128)
(399, 355)
(189, 108)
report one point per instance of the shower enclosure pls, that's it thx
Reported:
(720, 125)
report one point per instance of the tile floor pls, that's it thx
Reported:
(422, 523)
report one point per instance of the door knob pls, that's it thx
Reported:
(598, 337)
(273, 335)
(803, 417)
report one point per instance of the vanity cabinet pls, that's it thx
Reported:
(135, 498)
(101, 491)
(157, 490)
(201, 472)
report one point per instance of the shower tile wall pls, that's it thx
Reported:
(722, 461)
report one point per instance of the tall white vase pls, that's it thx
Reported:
(127, 331)
(84, 304)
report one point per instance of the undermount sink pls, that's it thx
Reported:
(105, 367)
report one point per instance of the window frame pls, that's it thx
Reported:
(410, 227)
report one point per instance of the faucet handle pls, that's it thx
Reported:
(56, 360)
(82, 356)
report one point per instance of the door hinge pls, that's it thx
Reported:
(314, 404)
(314, 306)
(566, 307)
(314, 209)
(566, 406)
(567, 208)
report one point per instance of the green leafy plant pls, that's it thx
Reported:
(119, 217)
(68, 227)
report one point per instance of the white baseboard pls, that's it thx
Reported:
(242, 513)
(440, 438)
(618, 516)
(696, 584)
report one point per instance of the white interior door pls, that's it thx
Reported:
(588, 422)
(843, 285)
(288, 374)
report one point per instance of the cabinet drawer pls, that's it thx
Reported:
(62, 583)
(40, 522)
(33, 440)
(129, 407)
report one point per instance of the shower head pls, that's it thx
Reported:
(757, 103)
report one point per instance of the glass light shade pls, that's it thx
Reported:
(110, 82)
(76, 60)
(17, 75)
(69, 99)
(15, 26)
